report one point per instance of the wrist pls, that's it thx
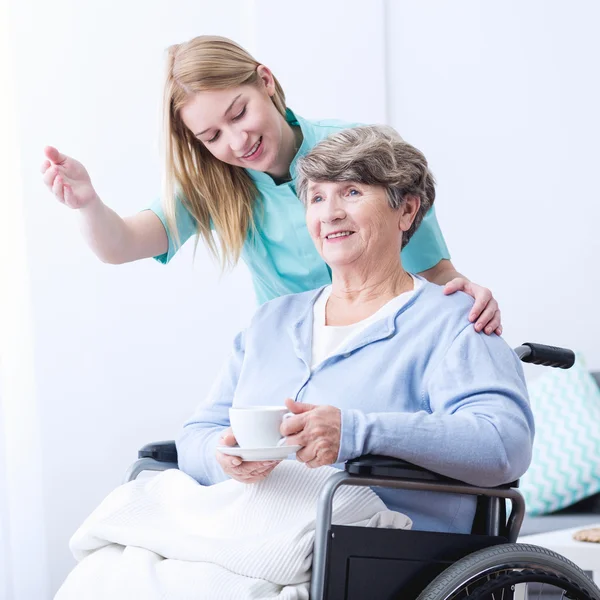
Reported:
(350, 446)
(93, 205)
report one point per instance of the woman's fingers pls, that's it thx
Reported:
(245, 471)
(454, 285)
(69, 197)
(228, 439)
(482, 300)
(484, 313)
(494, 325)
(50, 175)
(253, 471)
(293, 425)
(58, 188)
(54, 155)
(306, 454)
(255, 467)
(485, 319)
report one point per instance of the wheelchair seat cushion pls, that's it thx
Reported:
(565, 466)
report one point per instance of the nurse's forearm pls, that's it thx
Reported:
(115, 240)
(442, 273)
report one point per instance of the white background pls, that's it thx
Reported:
(98, 360)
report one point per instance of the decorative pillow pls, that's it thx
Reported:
(565, 467)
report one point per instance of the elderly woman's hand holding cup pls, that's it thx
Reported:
(244, 471)
(253, 428)
(317, 429)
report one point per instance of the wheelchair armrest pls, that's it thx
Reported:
(372, 465)
(160, 451)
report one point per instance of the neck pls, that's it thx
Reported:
(357, 294)
(291, 140)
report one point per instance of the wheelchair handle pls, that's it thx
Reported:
(547, 356)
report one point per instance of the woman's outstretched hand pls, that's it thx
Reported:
(67, 179)
(485, 312)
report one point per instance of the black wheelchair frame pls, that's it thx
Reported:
(354, 563)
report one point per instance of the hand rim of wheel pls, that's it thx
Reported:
(528, 576)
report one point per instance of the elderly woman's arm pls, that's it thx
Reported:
(197, 442)
(476, 425)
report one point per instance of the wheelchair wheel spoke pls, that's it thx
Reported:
(541, 589)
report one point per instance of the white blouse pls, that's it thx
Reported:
(327, 339)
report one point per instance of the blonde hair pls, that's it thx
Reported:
(215, 193)
(372, 155)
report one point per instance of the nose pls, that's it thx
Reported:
(238, 142)
(333, 210)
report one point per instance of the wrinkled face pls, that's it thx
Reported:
(352, 223)
(240, 126)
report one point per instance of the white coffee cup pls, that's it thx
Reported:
(257, 426)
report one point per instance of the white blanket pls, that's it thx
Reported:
(171, 538)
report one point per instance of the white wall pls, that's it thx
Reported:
(122, 354)
(322, 53)
(22, 519)
(503, 99)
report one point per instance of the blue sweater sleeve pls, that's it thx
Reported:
(475, 424)
(197, 443)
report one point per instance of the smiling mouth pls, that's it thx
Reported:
(253, 149)
(339, 234)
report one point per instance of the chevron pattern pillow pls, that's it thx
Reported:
(565, 467)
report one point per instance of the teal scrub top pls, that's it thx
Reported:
(280, 255)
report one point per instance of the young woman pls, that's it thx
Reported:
(231, 146)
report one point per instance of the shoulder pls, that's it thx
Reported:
(438, 317)
(323, 128)
(450, 315)
(336, 124)
(453, 306)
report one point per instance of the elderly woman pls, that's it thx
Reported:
(380, 361)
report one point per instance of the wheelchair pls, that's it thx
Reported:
(358, 563)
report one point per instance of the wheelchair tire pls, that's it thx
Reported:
(480, 575)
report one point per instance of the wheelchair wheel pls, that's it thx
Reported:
(512, 571)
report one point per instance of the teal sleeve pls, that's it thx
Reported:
(186, 228)
(426, 247)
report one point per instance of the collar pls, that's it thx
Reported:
(301, 330)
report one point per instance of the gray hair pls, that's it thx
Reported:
(371, 155)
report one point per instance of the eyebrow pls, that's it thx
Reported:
(225, 114)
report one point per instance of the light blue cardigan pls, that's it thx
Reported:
(420, 385)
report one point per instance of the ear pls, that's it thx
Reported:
(267, 78)
(408, 211)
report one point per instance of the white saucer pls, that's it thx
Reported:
(252, 454)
